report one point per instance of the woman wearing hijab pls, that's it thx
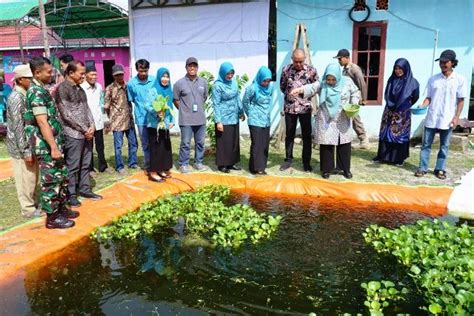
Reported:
(227, 110)
(257, 105)
(333, 126)
(159, 125)
(401, 93)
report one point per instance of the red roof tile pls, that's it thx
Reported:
(31, 37)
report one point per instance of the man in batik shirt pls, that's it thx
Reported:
(296, 75)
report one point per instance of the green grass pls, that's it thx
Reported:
(3, 150)
(362, 168)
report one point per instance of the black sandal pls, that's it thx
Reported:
(440, 174)
(163, 175)
(154, 179)
(420, 173)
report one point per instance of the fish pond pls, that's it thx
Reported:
(314, 262)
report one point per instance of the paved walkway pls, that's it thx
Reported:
(6, 169)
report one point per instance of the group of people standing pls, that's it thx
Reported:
(51, 134)
(189, 95)
(445, 94)
(52, 127)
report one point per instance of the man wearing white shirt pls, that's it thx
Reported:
(445, 99)
(94, 94)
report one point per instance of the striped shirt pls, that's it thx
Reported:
(17, 144)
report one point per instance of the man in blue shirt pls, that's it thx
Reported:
(5, 91)
(141, 93)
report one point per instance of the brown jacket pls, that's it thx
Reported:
(355, 73)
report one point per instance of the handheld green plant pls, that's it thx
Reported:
(160, 105)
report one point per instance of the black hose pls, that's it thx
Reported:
(356, 6)
(190, 186)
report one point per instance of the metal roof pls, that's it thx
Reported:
(11, 10)
(72, 19)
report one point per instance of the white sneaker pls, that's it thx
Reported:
(184, 169)
(122, 172)
(200, 167)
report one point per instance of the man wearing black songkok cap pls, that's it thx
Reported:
(94, 92)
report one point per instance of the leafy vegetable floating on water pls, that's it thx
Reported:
(205, 213)
(440, 259)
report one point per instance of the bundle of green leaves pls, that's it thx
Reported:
(160, 105)
(440, 258)
(205, 213)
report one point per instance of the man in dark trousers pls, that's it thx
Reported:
(79, 129)
(297, 108)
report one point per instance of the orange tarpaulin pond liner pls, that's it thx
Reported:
(28, 247)
(6, 169)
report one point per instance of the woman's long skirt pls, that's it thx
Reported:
(260, 140)
(228, 146)
(393, 152)
(161, 154)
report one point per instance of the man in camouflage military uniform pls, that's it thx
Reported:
(45, 134)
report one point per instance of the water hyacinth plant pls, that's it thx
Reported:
(160, 105)
(439, 257)
(380, 294)
(205, 214)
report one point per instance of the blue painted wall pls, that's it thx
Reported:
(330, 29)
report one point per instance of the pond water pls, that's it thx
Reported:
(315, 262)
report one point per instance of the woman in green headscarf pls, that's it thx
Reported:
(257, 104)
(333, 126)
(227, 111)
(160, 120)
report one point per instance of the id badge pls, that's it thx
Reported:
(195, 107)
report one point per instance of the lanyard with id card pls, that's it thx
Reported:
(195, 107)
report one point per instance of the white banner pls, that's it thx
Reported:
(235, 32)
